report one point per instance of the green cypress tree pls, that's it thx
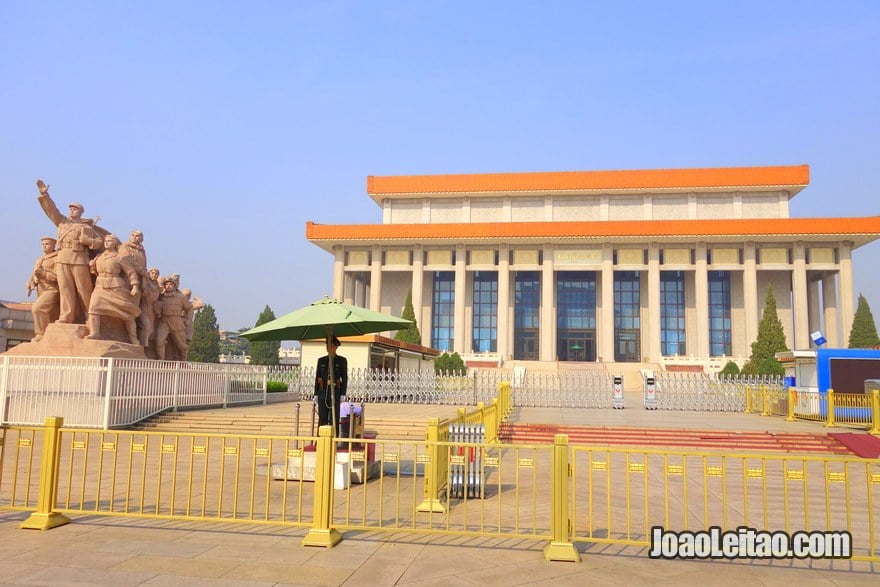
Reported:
(411, 333)
(863, 334)
(730, 368)
(449, 364)
(771, 340)
(264, 352)
(205, 344)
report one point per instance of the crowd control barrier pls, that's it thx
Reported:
(466, 474)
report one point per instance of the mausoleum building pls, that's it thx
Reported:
(649, 266)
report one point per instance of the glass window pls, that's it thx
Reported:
(443, 311)
(485, 333)
(719, 314)
(576, 315)
(526, 315)
(673, 338)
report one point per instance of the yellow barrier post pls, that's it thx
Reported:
(829, 421)
(792, 400)
(748, 400)
(492, 422)
(875, 413)
(44, 518)
(765, 399)
(431, 502)
(503, 400)
(321, 534)
(560, 547)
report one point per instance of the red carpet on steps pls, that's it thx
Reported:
(863, 444)
(677, 438)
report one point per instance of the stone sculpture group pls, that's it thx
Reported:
(87, 276)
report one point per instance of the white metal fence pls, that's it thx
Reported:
(700, 392)
(114, 392)
(587, 389)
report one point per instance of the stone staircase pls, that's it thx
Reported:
(216, 422)
(732, 441)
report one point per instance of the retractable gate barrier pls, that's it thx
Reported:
(465, 463)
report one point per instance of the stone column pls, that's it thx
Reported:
(548, 304)
(814, 298)
(829, 295)
(750, 294)
(505, 348)
(701, 298)
(606, 326)
(338, 272)
(376, 279)
(461, 347)
(348, 288)
(418, 282)
(653, 349)
(845, 284)
(800, 301)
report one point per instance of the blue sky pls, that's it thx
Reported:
(221, 128)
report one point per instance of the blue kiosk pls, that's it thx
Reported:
(846, 371)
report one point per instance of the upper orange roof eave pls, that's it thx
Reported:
(610, 228)
(660, 179)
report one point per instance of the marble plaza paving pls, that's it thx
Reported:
(97, 550)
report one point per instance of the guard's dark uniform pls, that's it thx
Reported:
(322, 388)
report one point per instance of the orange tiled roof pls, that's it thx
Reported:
(727, 177)
(607, 228)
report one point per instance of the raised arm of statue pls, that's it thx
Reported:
(48, 205)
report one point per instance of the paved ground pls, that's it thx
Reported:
(97, 550)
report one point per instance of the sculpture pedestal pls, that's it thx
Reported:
(68, 340)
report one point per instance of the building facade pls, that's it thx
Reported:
(16, 324)
(645, 266)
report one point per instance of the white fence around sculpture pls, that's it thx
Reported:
(701, 392)
(114, 392)
(587, 389)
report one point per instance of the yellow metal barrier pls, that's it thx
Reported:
(44, 518)
(558, 493)
(853, 409)
(875, 412)
(560, 547)
(19, 470)
(620, 494)
(321, 534)
(200, 477)
(829, 421)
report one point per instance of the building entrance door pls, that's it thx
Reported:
(626, 347)
(526, 345)
(577, 346)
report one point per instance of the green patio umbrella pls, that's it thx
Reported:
(325, 319)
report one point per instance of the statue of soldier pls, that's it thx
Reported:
(172, 310)
(133, 249)
(46, 307)
(76, 237)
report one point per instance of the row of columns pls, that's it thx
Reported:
(802, 292)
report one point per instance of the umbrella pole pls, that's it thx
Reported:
(331, 375)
